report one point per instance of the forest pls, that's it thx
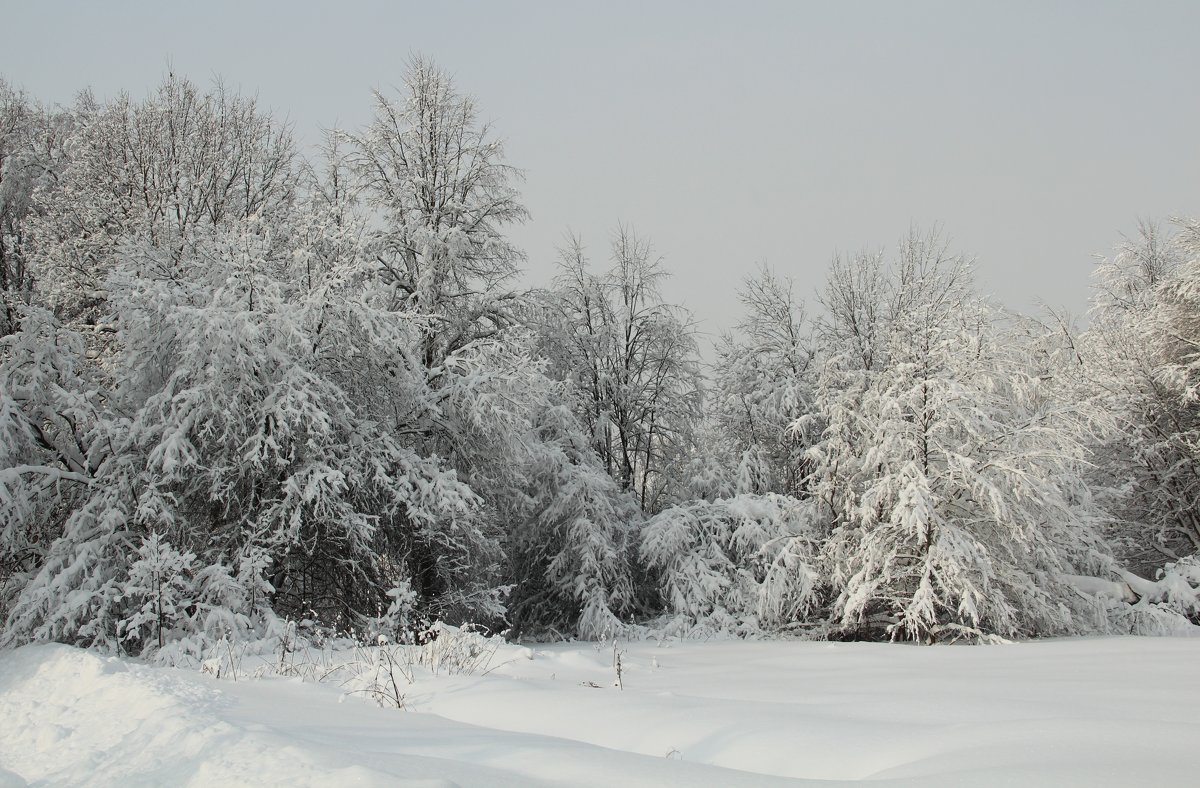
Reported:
(244, 387)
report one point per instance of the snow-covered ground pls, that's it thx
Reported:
(1114, 711)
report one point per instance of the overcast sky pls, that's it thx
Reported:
(730, 133)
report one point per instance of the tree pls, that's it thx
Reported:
(572, 560)
(160, 579)
(633, 357)
(53, 440)
(260, 413)
(443, 191)
(762, 383)
(138, 202)
(745, 564)
(315, 384)
(437, 182)
(953, 482)
(32, 152)
(155, 173)
(16, 116)
(1138, 358)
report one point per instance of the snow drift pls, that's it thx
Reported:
(1079, 712)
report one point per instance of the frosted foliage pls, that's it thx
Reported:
(299, 396)
(573, 562)
(438, 179)
(157, 171)
(745, 564)
(633, 359)
(438, 176)
(1139, 362)
(566, 523)
(250, 398)
(32, 153)
(160, 580)
(49, 423)
(262, 433)
(762, 383)
(954, 481)
(399, 618)
(1178, 587)
(305, 397)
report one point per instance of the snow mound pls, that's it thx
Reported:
(110, 722)
(74, 718)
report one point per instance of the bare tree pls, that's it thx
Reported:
(762, 383)
(1139, 361)
(634, 358)
(157, 173)
(32, 152)
(443, 192)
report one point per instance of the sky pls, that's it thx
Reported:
(1034, 134)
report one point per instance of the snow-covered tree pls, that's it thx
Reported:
(236, 386)
(436, 179)
(634, 358)
(154, 172)
(1138, 358)
(444, 193)
(746, 564)
(266, 414)
(17, 114)
(762, 383)
(572, 560)
(33, 151)
(51, 431)
(161, 580)
(954, 484)
(312, 380)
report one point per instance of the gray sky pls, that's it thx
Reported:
(1034, 133)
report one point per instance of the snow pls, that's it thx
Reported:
(1086, 712)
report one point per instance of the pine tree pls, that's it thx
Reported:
(160, 580)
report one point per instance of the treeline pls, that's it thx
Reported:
(240, 386)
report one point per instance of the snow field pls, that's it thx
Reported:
(1086, 712)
